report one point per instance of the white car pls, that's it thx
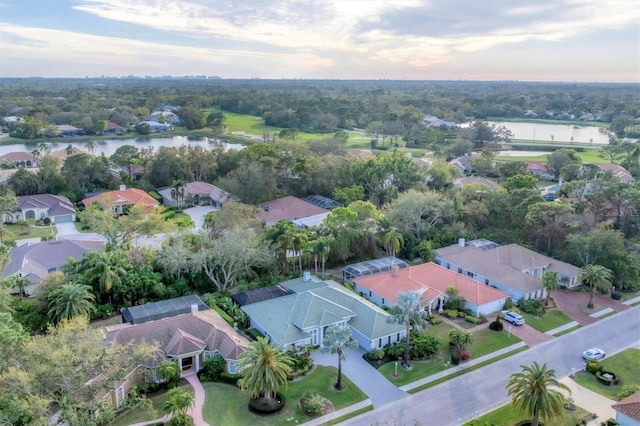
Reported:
(513, 318)
(593, 354)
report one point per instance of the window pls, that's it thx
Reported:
(383, 300)
(232, 367)
(398, 337)
(459, 270)
(369, 293)
(52, 269)
(469, 273)
(486, 281)
(389, 340)
(379, 343)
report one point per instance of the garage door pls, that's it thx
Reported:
(64, 218)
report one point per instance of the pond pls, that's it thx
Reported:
(109, 146)
(536, 132)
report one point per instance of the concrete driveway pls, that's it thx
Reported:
(65, 229)
(198, 213)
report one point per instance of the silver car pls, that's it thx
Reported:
(593, 354)
(513, 318)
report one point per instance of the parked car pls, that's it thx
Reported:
(513, 318)
(593, 354)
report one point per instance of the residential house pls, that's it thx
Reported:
(123, 199)
(158, 127)
(63, 153)
(19, 159)
(188, 339)
(200, 193)
(56, 208)
(462, 164)
(35, 260)
(5, 174)
(165, 116)
(302, 318)
(530, 114)
(432, 281)
(539, 170)
(628, 410)
(618, 171)
(287, 208)
(65, 130)
(114, 129)
(462, 182)
(512, 268)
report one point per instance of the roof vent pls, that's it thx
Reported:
(194, 308)
(123, 187)
(267, 208)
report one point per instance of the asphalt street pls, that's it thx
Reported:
(464, 398)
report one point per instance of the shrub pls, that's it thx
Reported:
(465, 354)
(375, 355)
(593, 366)
(423, 347)
(531, 306)
(607, 381)
(451, 313)
(435, 320)
(395, 351)
(256, 406)
(627, 390)
(302, 363)
(616, 295)
(455, 303)
(472, 319)
(496, 325)
(508, 304)
(229, 378)
(254, 334)
(462, 314)
(213, 366)
(455, 356)
(312, 404)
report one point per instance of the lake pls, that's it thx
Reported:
(109, 146)
(536, 132)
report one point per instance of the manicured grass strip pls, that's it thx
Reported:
(466, 370)
(507, 416)
(349, 416)
(484, 342)
(549, 321)
(12, 232)
(135, 416)
(625, 365)
(226, 405)
(568, 330)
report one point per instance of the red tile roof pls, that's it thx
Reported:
(18, 156)
(287, 208)
(434, 279)
(122, 197)
(629, 406)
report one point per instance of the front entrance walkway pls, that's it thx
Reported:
(590, 401)
(379, 390)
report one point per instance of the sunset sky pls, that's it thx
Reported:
(558, 40)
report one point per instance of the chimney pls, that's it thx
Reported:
(194, 308)
(306, 276)
(394, 270)
(461, 242)
(123, 187)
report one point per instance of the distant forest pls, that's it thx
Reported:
(320, 106)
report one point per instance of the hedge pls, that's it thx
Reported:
(223, 314)
(232, 379)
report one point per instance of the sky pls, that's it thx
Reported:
(541, 40)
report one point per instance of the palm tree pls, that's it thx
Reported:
(44, 147)
(531, 391)
(408, 311)
(70, 150)
(101, 268)
(264, 369)
(178, 402)
(281, 236)
(178, 188)
(299, 242)
(595, 276)
(461, 339)
(337, 338)
(393, 241)
(324, 249)
(70, 300)
(169, 371)
(35, 153)
(91, 145)
(550, 282)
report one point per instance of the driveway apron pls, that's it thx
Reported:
(379, 390)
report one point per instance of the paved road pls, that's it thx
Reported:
(461, 399)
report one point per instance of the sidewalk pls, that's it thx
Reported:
(461, 367)
(590, 401)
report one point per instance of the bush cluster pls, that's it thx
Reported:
(496, 325)
(254, 334)
(435, 320)
(375, 355)
(451, 313)
(213, 367)
(225, 304)
(312, 404)
(531, 306)
(302, 363)
(627, 390)
(616, 295)
(472, 319)
(229, 378)
(593, 366)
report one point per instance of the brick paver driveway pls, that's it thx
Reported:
(569, 301)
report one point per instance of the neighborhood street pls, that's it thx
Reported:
(470, 395)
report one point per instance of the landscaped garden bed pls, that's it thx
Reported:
(624, 366)
(507, 416)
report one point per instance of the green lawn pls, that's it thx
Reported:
(626, 366)
(136, 416)
(484, 342)
(226, 405)
(587, 156)
(552, 319)
(507, 416)
(11, 232)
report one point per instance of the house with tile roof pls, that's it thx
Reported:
(57, 208)
(202, 193)
(628, 410)
(20, 159)
(65, 130)
(114, 129)
(302, 317)
(618, 171)
(122, 199)
(188, 339)
(539, 170)
(35, 260)
(432, 281)
(512, 268)
(287, 208)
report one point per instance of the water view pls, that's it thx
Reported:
(536, 132)
(109, 146)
